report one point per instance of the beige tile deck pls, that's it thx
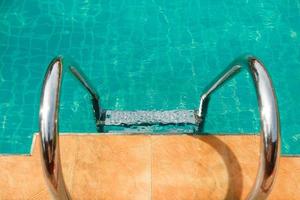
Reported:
(149, 167)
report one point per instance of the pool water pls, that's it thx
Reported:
(147, 55)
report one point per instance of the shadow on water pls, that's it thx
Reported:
(235, 180)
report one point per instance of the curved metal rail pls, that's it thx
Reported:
(270, 126)
(49, 108)
(270, 129)
(99, 113)
(49, 130)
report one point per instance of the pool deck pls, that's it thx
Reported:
(149, 167)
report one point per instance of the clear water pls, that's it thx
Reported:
(144, 55)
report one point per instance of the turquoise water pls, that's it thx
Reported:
(147, 54)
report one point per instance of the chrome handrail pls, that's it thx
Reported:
(270, 125)
(270, 129)
(99, 113)
(49, 108)
(49, 131)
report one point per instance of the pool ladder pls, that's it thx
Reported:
(269, 122)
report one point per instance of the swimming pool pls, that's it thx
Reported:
(147, 55)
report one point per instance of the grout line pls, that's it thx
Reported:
(73, 167)
(151, 162)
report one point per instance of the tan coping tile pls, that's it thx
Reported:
(188, 167)
(116, 168)
(149, 167)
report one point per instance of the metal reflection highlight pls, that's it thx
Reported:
(49, 118)
(49, 130)
(269, 120)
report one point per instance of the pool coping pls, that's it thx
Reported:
(98, 165)
(130, 134)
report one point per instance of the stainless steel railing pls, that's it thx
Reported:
(270, 128)
(49, 118)
(270, 125)
(99, 112)
(49, 130)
